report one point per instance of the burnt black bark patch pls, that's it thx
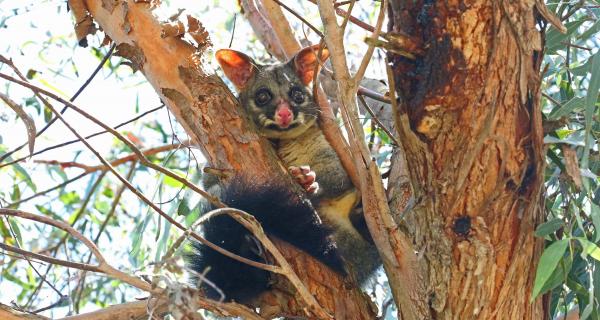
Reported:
(462, 226)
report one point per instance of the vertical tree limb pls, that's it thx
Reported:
(399, 259)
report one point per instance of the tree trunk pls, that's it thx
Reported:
(470, 123)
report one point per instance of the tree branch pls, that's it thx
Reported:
(397, 252)
(131, 157)
(102, 267)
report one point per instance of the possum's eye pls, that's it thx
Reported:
(262, 96)
(296, 95)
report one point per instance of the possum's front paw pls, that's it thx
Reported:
(305, 177)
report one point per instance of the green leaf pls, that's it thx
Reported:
(33, 102)
(52, 87)
(102, 206)
(577, 103)
(590, 104)
(23, 175)
(595, 215)
(590, 248)
(593, 30)
(108, 192)
(583, 69)
(48, 114)
(161, 247)
(16, 230)
(69, 198)
(559, 275)
(555, 39)
(136, 255)
(48, 212)
(171, 182)
(193, 216)
(572, 140)
(4, 231)
(16, 194)
(183, 208)
(547, 264)
(548, 227)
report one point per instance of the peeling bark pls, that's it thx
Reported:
(471, 127)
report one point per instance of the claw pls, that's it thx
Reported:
(305, 177)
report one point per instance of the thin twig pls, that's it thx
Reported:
(79, 91)
(60, 145)
(41, 193)
(575, 46)
(571, 12)
(78, 291)
(41, 257)
(374, 36)
(58, 224)
(547, 96)
(116, 162)
(301, 18)
(343, 13)
(102, 267)
(232, 30)
(363, 91)
(376, 119)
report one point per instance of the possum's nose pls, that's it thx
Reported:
(283, 115)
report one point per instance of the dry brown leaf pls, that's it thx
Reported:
(549, 16)
(29, 123)
(572, 165)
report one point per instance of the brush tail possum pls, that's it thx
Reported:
(330, 227)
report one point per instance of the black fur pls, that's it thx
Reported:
(283, 214)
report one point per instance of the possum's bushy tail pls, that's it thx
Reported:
(283, 214)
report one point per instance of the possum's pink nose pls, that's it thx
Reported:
(283, 115)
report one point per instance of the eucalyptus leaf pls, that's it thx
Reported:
(548, 227)
(590, 105)
(547, 264)
(575, 104)
(590, 248)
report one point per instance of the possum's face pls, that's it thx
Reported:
(276, 97)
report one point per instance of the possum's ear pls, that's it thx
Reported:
(238, 67)
(306, 60)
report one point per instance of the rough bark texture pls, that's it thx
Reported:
(334, 294)
(9, 313)
(471, 127)
(212, 117)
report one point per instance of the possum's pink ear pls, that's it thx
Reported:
(306, 60)
(238, 67)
